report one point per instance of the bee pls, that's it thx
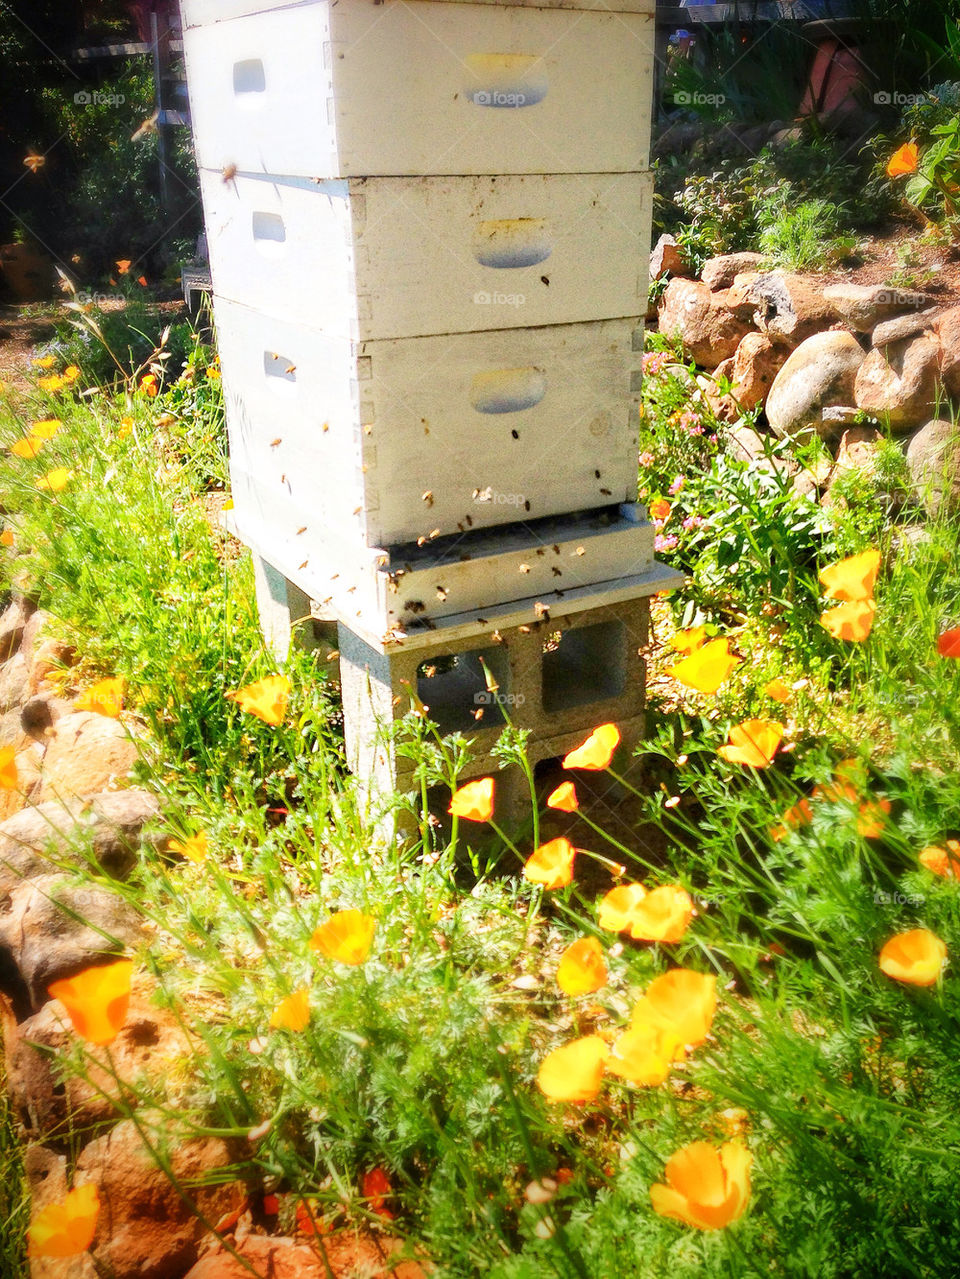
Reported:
(292, 369)
(524, 568)
(229, 172)
(301, 530)
(304, 564)
(557, 572)
(427, 497)
(441, 593)
(278, 440)
(541, 610)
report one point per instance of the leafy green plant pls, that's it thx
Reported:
(805, 235)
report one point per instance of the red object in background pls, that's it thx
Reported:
(375, 1186)
(141, 11)
(837, 80)
(948, 645)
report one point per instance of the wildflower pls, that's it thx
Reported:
(103, 698)
(617, 907)
(44, 362)
(194, 848)
(292, 1013)
(213, 375)
(346, 936)
(752, 743)
(659, 510)
(474, 801)
(308, 1217)
(6, 537)
(97, 1000)
(9, 778)
(644, 1055)
(706, 1187)
(682, 1000)
(71, 373)
(266, 698)
(654, 361)
(948, 645)
(564, 798)
(664, 915)
(664, 543)
(915, 957)
(942, 861)
(46, 429)
(904, 160)
(375, 1186)
(67, 1228)
(778, 690)
(689, 640)
(551, 864)
(27, 447)
(647, 459)
(125, 427)
(850, 621)
(575, 1071)
(794, 817)
(52, 383)
(692, 522)
(707, 667)
(872, 817)
(853, 578)
(150, 384)
(676, 486)
(582, 968)
(597, 751)
(123, 265)
(55, 481)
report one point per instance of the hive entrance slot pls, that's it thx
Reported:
(249, 77)
(454, 689)
(587, 665)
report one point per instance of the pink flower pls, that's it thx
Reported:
(664, 542)
(647, 459)
(690, 422)
(694, 521)
(654, 361)
(676, 486)
(713, 439)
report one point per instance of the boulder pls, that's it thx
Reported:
(841, 415)
(50, 655)
(720, 272)
(51, 928)
(863, 306)
(31, 632)
(667, 256)
(933, 458)
(820, 372)
(54, 1107)
(12, 621)
(145, 1230)
(709, 330)
(857, 452)
(756, 363)
(905, 326)
(900, 382)
(14, 683)
(790, 308)
(948, 330)
(39, 714)
(86, 752)
(352, 1252)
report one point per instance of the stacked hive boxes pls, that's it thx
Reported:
(428, 226)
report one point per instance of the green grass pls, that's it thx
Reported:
(423, 1060)
(14, 1207)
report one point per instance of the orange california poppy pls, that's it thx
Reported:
(125, 427)
(689, 640)
(34, 162)
(942, 861)
(375, 1186)
(103, 698)
(55, 481)
(309, 1217)
(597, 751)
(97, 1000)
(46, 429)
(43, 362)
(575, 1071)
(617, 907)
(706, 1187)
(150, 384)
(904, 160)
(582, 968)
(123, 265)
(778, 690)
(194, 848)
(643, 1054)
(707, 667)
(52, 383)
(663, 915)
(796, 816)
(9, 778)
(551, 864)
(915, 957)
(66, 1229)
(266, 698)
(948, 645)
(474, 801)
(564, 798)
(71, 373)
(752, 743)
(659, 510)
(27, 447)
(680, 999)
(292, 1013)
(851, 621)
(6, 537)
(872, 817)
(853, 578)
(346, 936)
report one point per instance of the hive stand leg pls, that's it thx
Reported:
(284, 610)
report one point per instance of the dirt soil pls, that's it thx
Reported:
(929, 268)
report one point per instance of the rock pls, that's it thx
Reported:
(720, 272)
(50, 655)
(46, 1176)
(900, 382)
(841, 414)
(277, 1257)
(821, 371)
(813, 479)
(145, 1230)
(789, 307)
(39, 714)
(667, 256)
(756, 363)
(31, 632)
(708, 328)
(85, 754)
(857, 452)
(761, 450)
(14, 682)
(27, 760)
(51, 928)
(54, 1109)
(864, 306)
(12, 621)
(904, 326)
(933, 458)
(11, 729)
(948, 330)
(108, 827)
